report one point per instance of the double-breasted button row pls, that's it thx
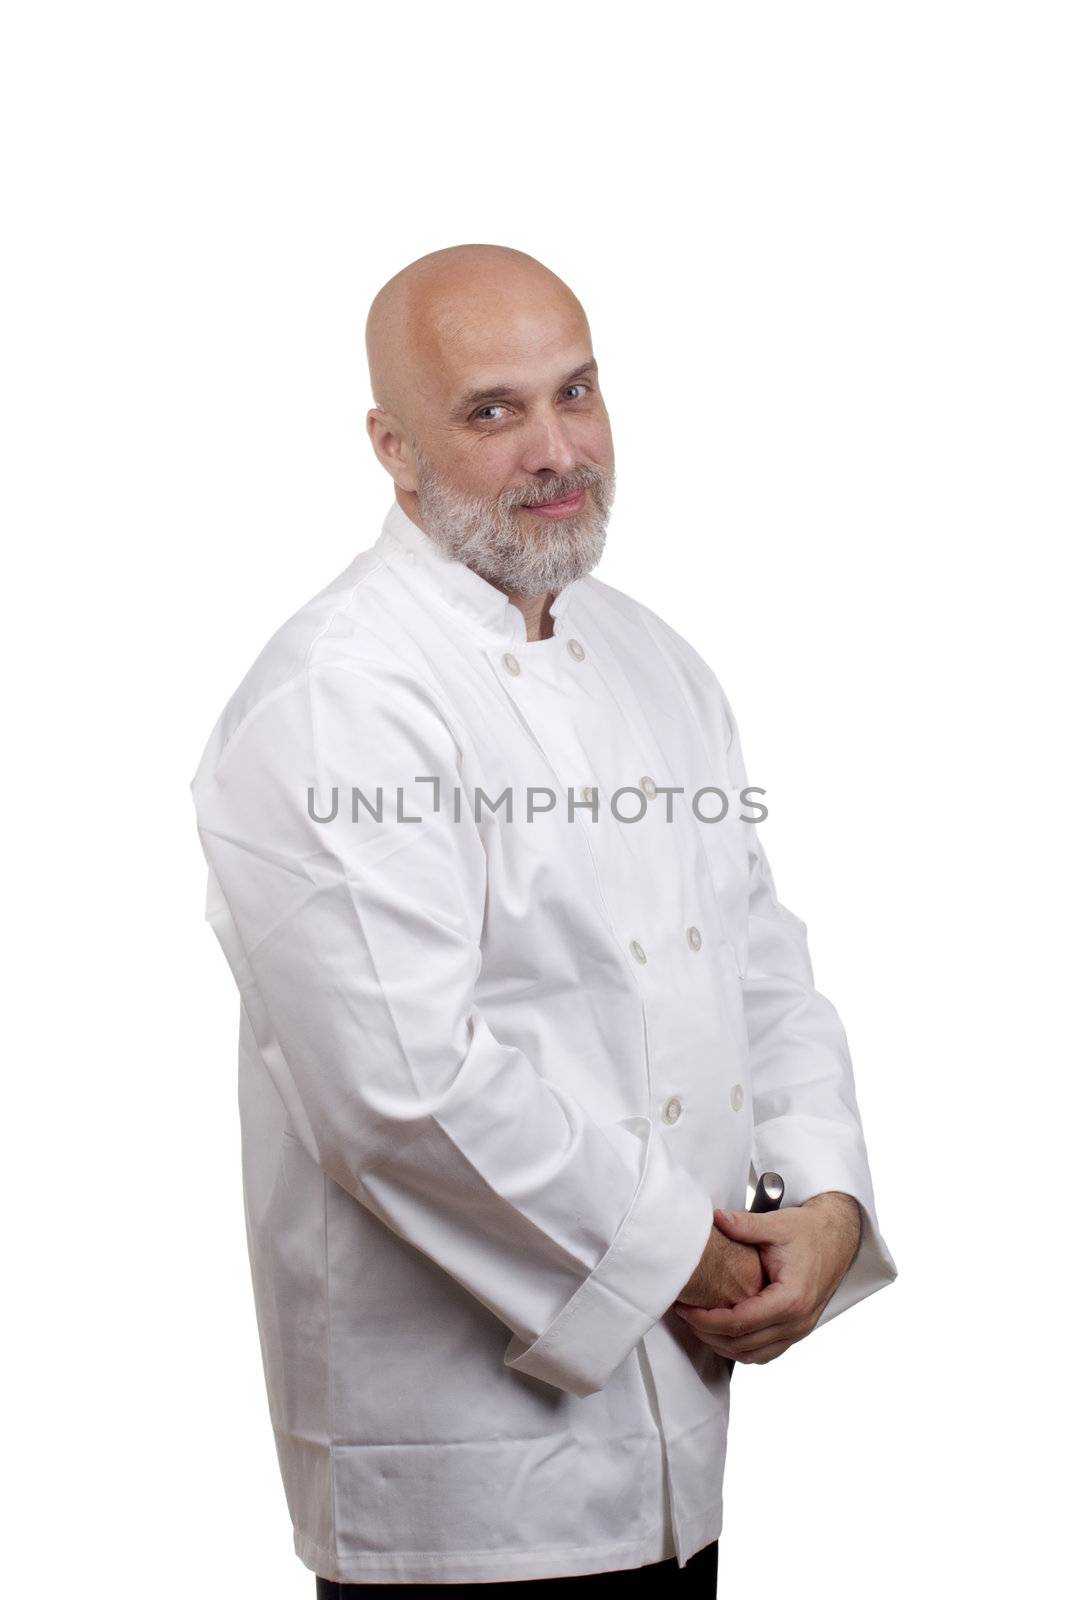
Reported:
(646, 784)
(671, 1109)
(692, 935)
(511, 662)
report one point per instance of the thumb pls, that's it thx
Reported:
(748, 1227)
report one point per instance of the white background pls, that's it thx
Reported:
(822, 250)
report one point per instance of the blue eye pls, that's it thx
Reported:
(481, 415)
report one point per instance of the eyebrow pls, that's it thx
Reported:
(503, 391)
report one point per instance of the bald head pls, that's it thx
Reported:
(488, 415)
(450, 306)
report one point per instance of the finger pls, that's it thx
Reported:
(774, 1303)
(769, 1353)
(756, 1352)
(737, 1347)
(756, 1227)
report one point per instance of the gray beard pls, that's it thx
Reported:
(514, 549)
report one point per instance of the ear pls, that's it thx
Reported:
(392, 447)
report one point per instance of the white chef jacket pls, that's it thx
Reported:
(494, 1074)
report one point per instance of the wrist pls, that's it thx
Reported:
(844, 1209)
(698, 1290)
(835, 1200)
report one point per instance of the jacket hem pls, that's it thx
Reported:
(697, 1532)
(472, 1566)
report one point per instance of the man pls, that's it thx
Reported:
(521, 1012)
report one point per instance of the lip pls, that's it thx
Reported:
(559, 508)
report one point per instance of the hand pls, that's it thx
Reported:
(727, 1272)
(805, 1251)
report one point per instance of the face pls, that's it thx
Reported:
(514, 464)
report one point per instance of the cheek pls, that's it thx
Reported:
(488, 465)
(598, 443)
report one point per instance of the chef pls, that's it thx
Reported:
(521, 1013)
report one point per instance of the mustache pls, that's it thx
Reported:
(562, 489)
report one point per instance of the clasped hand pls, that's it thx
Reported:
(805, 1251)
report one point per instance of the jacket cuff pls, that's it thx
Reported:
(653, 1255)
(872, 1268)
(831, 1159)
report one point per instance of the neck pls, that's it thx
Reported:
(535, 608)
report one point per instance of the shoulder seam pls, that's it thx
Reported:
(341, 607)
(304, 665)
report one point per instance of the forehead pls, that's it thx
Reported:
(518, 345)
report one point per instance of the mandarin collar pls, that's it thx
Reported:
(414, 555)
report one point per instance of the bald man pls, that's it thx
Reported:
(522, 1016)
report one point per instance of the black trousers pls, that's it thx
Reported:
(701, 1572)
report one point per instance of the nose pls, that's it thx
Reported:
(549, 448)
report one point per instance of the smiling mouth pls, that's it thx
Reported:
(566, 504)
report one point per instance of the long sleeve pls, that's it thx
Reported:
(356, 948)
(807, 1122)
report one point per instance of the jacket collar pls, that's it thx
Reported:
(415, 556)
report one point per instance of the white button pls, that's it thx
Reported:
(575, 649)
(636, 951)
(510, 662)
(737, 1097)
(648, 785)
(672, 1109)
(587, 793)
(693, 935)
(410, 554)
